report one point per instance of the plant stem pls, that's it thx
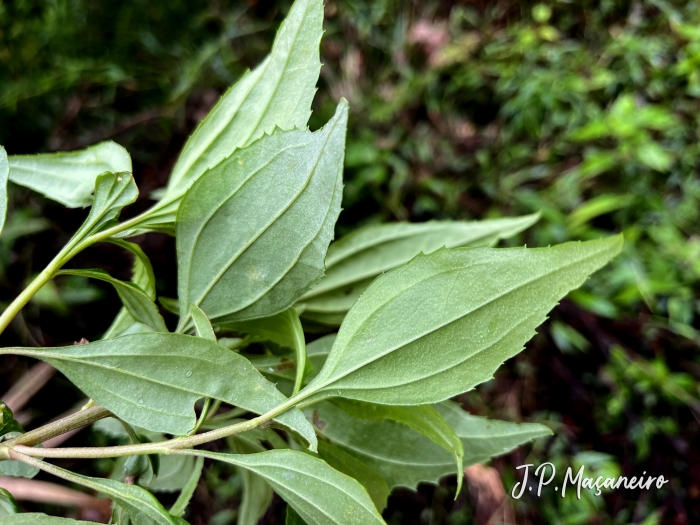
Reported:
(66, 254)
(66, 424)
(163, 447)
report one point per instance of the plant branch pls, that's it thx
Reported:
(66, 424)
(162, 447)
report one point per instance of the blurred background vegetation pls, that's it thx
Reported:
(586, 111)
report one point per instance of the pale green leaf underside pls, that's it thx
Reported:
(375, 485)
(153, 380)
(355, 260)
(252, 233)
(320, 494)
(4, 175)
(424, 419)
(276, 94)
(35, 518)
(140, 307)
(113, 191)
(257, 493)
(404, 457)
(141, 505)
(455, 316)
(69, 178)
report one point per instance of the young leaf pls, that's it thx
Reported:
(35, 518)
(183, 500)
(343, 462)
(69, 178)
(113, 191)
(153, 380)
(134, 299)
(424, 419)
(356, 259)
(252, 232)
(486, 438)
(463, 312)
(283, 329)
(277, 94)
(4, 174)
(320, 494)
(201, 323)
(405, 457)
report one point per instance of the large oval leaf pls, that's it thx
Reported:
(69, 178)
(356, 259)
(444, 322)
(276, 94)
(252, 233)
(320, 494)
(153, 380)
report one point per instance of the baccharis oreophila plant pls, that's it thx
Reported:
(423, 312)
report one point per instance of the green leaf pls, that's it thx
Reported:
(486, 438)
(142, 275)
(257, 493)
(4, 175)
(283, 329)
(13, 467)
(277, 94)
(343, 462)
(281, 370)
(292, 518)
(183, 500)
(69, 178)
(153, 380)
(252, 233)
(424, 419)
(170, 304)
(8, 505)
(113, 191)
(320, 494)
(139, 305)
(462, 313)
(35, 518)
(141, 505)
(405, 457)
(7, 421)
(356, 259)
(201, 323)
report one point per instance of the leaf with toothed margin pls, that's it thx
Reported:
(444, 322)
(252, 233)
(405, 457)
(153, 380)
(276, 94)
(356, 259)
